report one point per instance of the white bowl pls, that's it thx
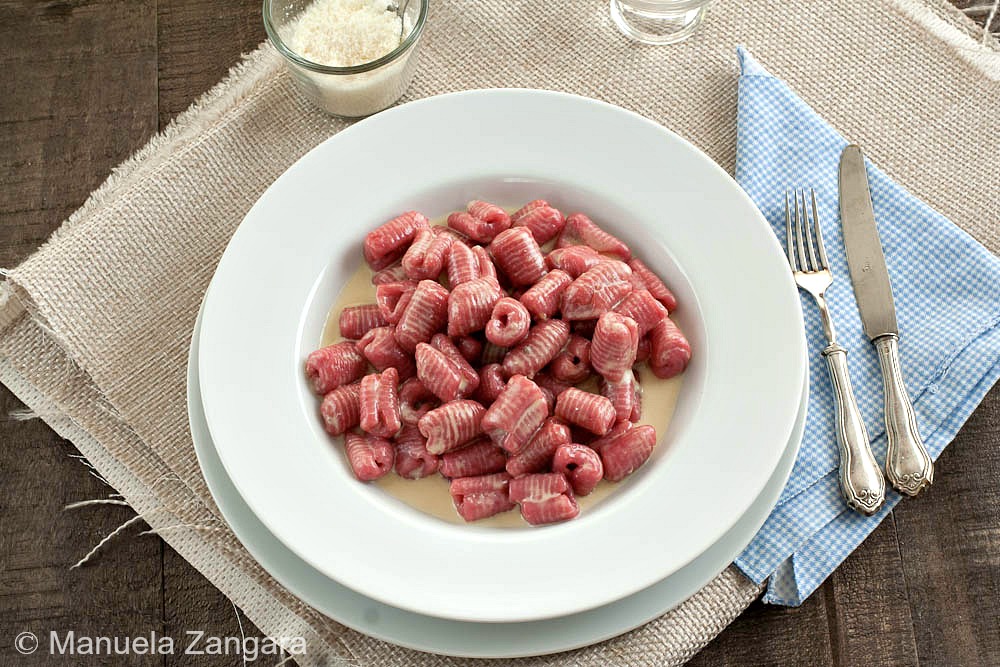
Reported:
(678, 210)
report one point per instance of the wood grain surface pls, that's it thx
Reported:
(85, 83)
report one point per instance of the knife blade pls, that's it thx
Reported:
(907, 465)
(865, 260)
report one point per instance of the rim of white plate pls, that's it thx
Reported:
(300, 241)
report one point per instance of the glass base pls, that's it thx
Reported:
(650, 26)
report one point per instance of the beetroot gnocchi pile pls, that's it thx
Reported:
(479, 340)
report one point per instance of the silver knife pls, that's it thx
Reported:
(907, 464)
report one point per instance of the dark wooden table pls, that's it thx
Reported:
(85, 83)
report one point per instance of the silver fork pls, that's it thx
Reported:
(860, 476)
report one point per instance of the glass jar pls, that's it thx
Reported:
(359, 90)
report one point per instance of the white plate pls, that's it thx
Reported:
(459, 638)
(685, 216)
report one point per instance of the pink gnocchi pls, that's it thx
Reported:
(451, 425)
(491, 383)
(542, 298)
(391, 298)
(518, 256)
(643, 308)
(653, 283)
(482, 496)
(425, 314)
(415, 401)
(537, 455)
(613, 350)
(508, 324)
(481, 222)
(341, 409)
(516, 414)
(444, 345)
(463, 265)
(381, 350)
(581, 466)
(572, 365)
(356, 321)
(590, 411)
(470, 305)
(378, 403)
(427, 255)
(596, 291)
(624, 395)
(539, 347)
(413, 461)
(544, 498)
(626, 453)
(370, 456)
(574, 260)
(543, 221)
(329, 367)
(581, 230)
(477, 354)
(482, 457)
(440, 374)
(386, 244)
(669, 351)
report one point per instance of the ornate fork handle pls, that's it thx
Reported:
(860, 477)
(907, 463)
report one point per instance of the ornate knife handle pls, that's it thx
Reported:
(907, 463)
(860, 477)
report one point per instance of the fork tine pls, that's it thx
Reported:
(810, 242)
(789, 243)
(799, 244)
(819, 233)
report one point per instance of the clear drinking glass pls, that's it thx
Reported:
(349, 92)
(658, 21)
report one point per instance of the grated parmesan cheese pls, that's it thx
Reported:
(343, 33)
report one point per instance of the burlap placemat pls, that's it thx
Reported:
(95, 326)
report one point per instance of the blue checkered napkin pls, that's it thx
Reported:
(947, 292)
